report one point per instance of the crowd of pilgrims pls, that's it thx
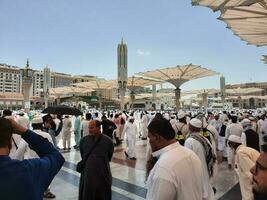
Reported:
(215, 137)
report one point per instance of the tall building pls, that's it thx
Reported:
(262, 85)
(85, 78)
(38, 83)
(122, 70)
(10, 79)
(61, 79)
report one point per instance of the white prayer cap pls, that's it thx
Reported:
(251, 118)
(21, 112)
(181, 114)
(235, 138)
(37, 119)
(196, 123)
(245, 122)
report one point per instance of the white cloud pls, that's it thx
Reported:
(143, 53)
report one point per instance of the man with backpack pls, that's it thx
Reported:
(232, 129)
(203, 148)
(181, 128)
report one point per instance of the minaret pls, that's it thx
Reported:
(222, 89)
(122, 71)
(27, 77)
(47, 84)
(28, 63)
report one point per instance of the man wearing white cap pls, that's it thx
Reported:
(203, 148)
(131, 131)
(24, 151)
(173, 119)
(181, 127)
(246, 158)
(249, 137)
(234, 128)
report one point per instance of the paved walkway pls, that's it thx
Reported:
(129, 177)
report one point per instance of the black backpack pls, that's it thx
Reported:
(179, 136)
(206, 133)
(222, 131)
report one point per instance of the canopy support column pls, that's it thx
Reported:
(177, 97)
(154, 93)
(205, 100)
(132, 97)
(99, 95)
(122, 94)
(240, 102)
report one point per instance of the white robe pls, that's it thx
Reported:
(245, 159)
(130, 130)
(144, 123)
(177, 175)
(197, 147)
(24, 151)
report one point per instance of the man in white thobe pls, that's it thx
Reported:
(177, 174)
(195, 126)
(234, 128)
(181, 124)
(130, 130)
(246, 158)
(144, 123)
(24, 151)
(66, 132)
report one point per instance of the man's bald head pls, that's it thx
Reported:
(94, 127)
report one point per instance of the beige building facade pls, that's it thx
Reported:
(261, 85)
(10, 79)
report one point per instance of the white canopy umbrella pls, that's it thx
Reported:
(243, 91)
(247, 19)
(68, 90)
(179, 75)
(98, 84)
(135, 82)
(223, 4)
(248, 22)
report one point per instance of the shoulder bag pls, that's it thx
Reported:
(81, 165)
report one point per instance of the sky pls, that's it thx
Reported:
(80, 37)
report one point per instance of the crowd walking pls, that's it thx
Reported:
(183, 152)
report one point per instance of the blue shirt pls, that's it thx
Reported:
(28, 179)
(77, 124)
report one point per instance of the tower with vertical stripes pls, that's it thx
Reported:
(122, 71)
